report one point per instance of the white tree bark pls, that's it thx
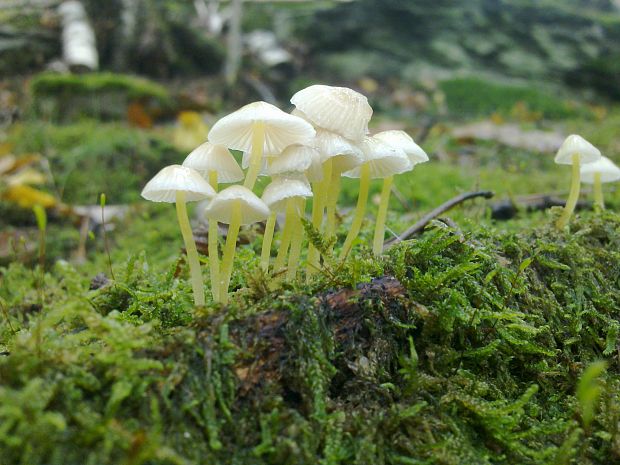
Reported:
(79, 48)
(234, 44)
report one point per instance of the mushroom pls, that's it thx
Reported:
(338, 155)
(575, 150)
(261, 129)
(235, 206)
(337, 109)
(179, 184)
(381, 161)
(597, 173)
(289, 195)
(403, 141)
(216, 164)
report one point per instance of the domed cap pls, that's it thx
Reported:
(608, 170)
(209, 157)
(403, 141)
(280, 190)
(176, 178)
(575, 144)
(253, 209)
(295, 159)
(345, 154)
(338, 109)
(383, 160)
(281, 129)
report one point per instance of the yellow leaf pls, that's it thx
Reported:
(28, 197)
(27, 176)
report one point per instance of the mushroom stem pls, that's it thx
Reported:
(318, 207)
(598, 192)
(332, 200)
(573, 195)
(297, 237)
(256, 156)
(190, 248)
(286, 235)
(228, 255)
(267, 240)
(377, 243)
(360, 210)
(214, 261)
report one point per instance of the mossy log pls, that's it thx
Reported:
(456, 348)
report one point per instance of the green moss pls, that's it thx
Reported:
(474, 96)
(472, 353)
(49, 84)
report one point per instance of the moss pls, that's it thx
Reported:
(474, 96)
(455, 348)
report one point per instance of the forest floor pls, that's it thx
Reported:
(488, 338)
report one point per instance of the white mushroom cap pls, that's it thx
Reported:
(295, 159)
(253, 209)
(281, 129)
(280, 190)
(338, 109)
(403, 141)
(345, 154)
(608, 170)
(575, 144)
(176, 178)
(209, 157)
(384, 160)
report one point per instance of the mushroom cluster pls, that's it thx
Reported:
(305, 153)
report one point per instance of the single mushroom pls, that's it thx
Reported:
(235, 206)
(597, 173)
(381, 161)
(180, 184)
(286, 194)
(215, 163)
(261, 129)
(402, 140)
(575, 151)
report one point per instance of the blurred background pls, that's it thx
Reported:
(96, 96)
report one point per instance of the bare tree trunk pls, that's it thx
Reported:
(234, 51)
(79, 48)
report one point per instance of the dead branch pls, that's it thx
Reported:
(440, 210)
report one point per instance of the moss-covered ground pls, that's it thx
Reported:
(475, 342)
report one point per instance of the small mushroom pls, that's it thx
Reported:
(575, 151)
(288, 195)
(261, 129)
(597, 173)
(215, 163)
(235, 206)
(381, 161)
(403, 141)
(179, 184)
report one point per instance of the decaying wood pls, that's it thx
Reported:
(440, 210)
(508, 209)
(264, 335)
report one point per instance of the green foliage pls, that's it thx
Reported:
(489, 352)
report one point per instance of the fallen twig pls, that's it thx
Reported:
(508, 209)
(441, 209)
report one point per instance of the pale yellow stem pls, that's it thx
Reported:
(360, 210)
(598, 192)
(190, 248)
(214, 261)
(256, 156)
(228, 256)
(267, 240)
(573, 195)
(333, 191)
(377, 243)
(297, 237)
(318, 207)
(286, 235)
